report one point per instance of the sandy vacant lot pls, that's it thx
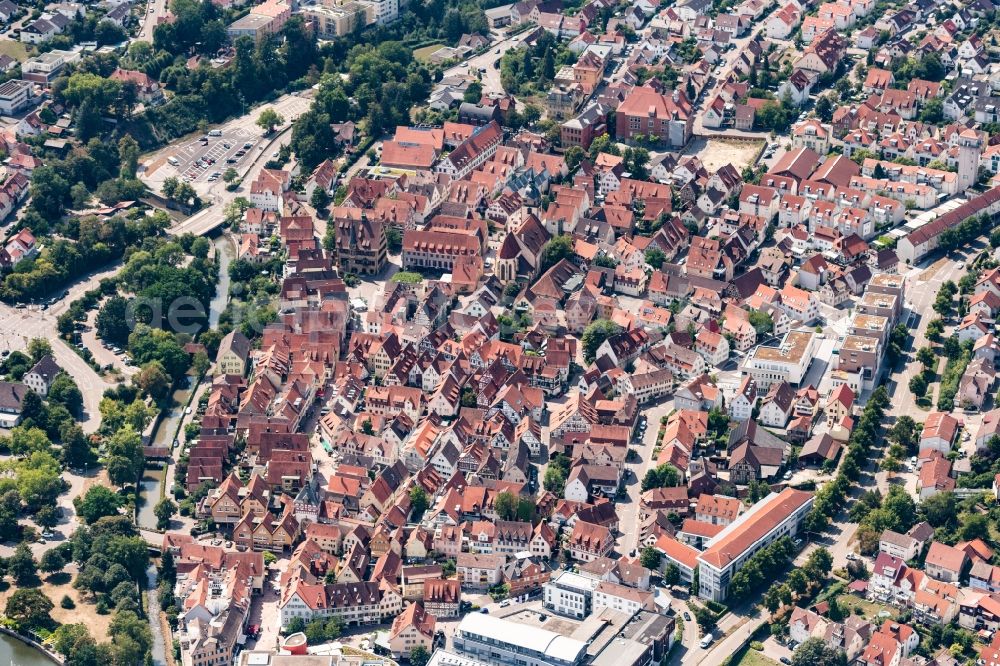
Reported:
(55, 587)
(715, 153)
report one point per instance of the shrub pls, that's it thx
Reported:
(67, 602)
(757, 645)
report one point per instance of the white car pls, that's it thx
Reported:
(960, 265)
(707, 640)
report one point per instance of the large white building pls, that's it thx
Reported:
(777, 515)
(500, 642)
(570, 594)
(787, 362)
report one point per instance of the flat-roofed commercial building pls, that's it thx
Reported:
(570, 594)
(788, 362)
(500, 642)
(888, 283)
(883, 305)
(333, 22)
(859, 360)
(777, 515)
(15, 95)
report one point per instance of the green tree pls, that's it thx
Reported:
(128, 156)
(705, 618)
(655, 257)
(99, 501)
(473, 93)
(39, 347)
(974, 526)
(112, 321)
(418, 501)
(935, 327)
(940, 510)
(52, 561)
(637, 162)
(164, 511)
(595, 334)
(47, 516)
(927, 358)
(555, 250)
(662, 476)
(22, 566)
(505, 505)
(269, 119)
(824, 108)
(319, 199)
(419, 656)
(671, 574)
(943, 305)
(573, 156)
(761, 321)
(30, 609)
(153, 380)
(815, 652)
(554, 481)
(603, 144)
(125, 457)
(918, 385)
(65, 392)
(650, 558)
(904, 432)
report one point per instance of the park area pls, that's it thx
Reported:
(56, 587)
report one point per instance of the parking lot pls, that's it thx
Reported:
(202, 159)
(206, 158)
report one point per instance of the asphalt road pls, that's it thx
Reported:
(628, 508)
(19, 326)
(729, 57)
(483, 64)
(922, 285)
(149, 20)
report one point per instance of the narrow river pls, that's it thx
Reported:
(153, 479)
(16, 653)
(225, 251)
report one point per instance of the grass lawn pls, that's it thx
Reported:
(424, 52)
(750, 657)
(869, 609)
(13, 49)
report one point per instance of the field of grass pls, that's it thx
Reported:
(749, 657)
(422, 54)
(13, 49)
(869, 610)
